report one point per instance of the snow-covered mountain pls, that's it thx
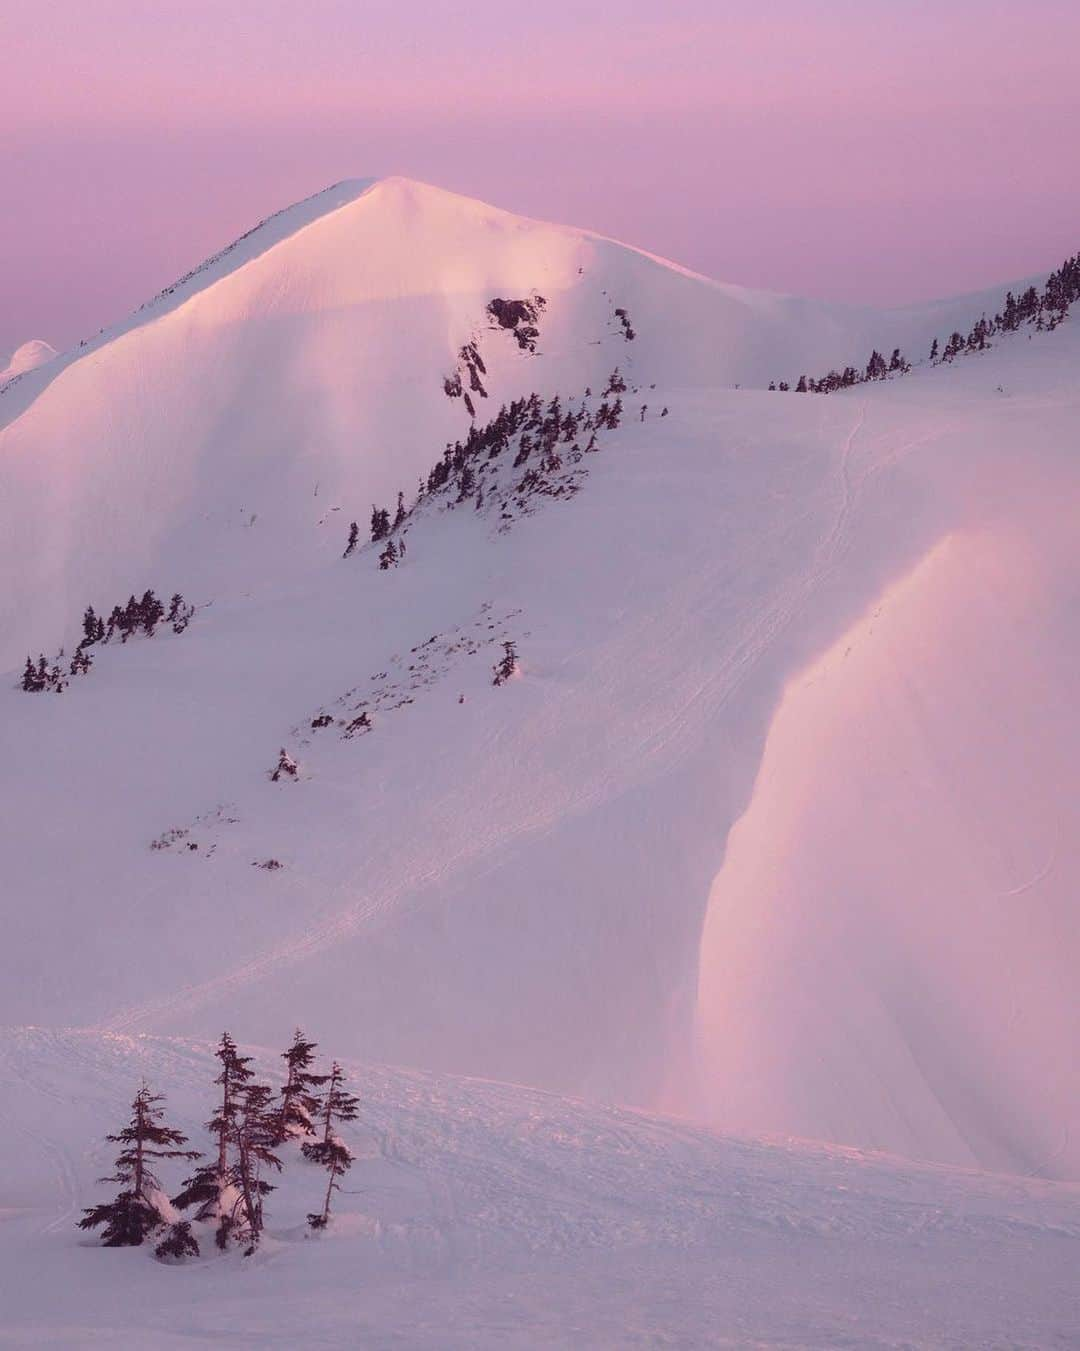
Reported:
(773, 826)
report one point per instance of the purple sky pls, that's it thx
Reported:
(879, 151)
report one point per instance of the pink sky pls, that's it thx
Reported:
(878, 151)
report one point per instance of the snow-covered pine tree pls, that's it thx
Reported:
(179, 1242)
(389, 556)
(466, 482)
(139, 1207)
(91, 626)
(286, 767)
(508, 664)
(380, 524)
(354, 539)
(256, 1136)
(31, 680)
(150, 612)
(180, 614)
(331, 1152)
(298, 1101)
(211, 1189)
(401, 513)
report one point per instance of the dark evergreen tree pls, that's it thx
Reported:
(150, 612)
(256, 1134)
(179, 1242)
(331, 1152)
(91, 625)
(934, 350)
(401, 513)
(354, 539)
(389, 556)
(138, 1208)
(506, 667)
(299, 1100)
(466, 482)
(875, 367)
(380, 524)
(32, 680)
(212, 1189)
(286, 767)
(180, 614)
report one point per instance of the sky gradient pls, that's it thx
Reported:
(879, 152)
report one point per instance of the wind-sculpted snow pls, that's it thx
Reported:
(773, 823)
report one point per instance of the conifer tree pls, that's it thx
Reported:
(466, 483)
(180, 614)
(91, 624)
(389, 556)
(179, 1242)
(31, 682)
(508, 665)
(81, 661)
(331, 1152)
(401, 513)
(212, 1187)
(354, 539)
(380, 524)
(298, 1102)
(150, 612)
(255, 1136)
(138, 1208)
(286, 767)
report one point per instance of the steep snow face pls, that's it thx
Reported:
(896, 916)
(539, 881)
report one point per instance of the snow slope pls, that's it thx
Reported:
(480, 1215)
(776, 828)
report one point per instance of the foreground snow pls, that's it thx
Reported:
(486, 1215)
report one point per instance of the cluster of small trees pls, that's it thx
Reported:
(137, 616)
(877, 368)
(541, 435)
(1045, 309)
(228, 1192)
